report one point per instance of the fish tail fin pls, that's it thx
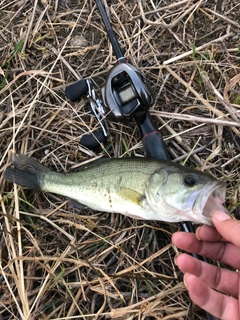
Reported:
(25, 172)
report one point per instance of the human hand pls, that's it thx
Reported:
(221, 243)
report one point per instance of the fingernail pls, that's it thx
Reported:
(219, 215)
(184, 279)
(175, 258)
(197, 235)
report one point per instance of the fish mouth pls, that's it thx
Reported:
(211, 198)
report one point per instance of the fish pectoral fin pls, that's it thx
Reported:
(76, 204)
(129, 195)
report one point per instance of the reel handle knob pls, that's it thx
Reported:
(93, 140)
(74, 91)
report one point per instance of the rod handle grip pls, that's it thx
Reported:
(154, 146)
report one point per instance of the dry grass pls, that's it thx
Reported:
(58, 262)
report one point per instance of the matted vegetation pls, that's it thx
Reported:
(59, 262)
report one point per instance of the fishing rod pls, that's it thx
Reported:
(127, 94)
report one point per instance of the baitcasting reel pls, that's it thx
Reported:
(126, 93)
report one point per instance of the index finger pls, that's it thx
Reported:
(207, 233)
(219, 251)
(227, 227)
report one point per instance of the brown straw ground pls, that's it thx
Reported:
(60, 262)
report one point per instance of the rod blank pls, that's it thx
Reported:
(112, 37)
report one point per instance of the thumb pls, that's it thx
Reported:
(227, 227)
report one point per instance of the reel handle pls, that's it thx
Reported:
(74, 92)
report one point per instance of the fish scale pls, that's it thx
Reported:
(110, 186)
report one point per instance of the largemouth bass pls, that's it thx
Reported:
(137, 187)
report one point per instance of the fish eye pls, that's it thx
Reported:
(190, 180)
